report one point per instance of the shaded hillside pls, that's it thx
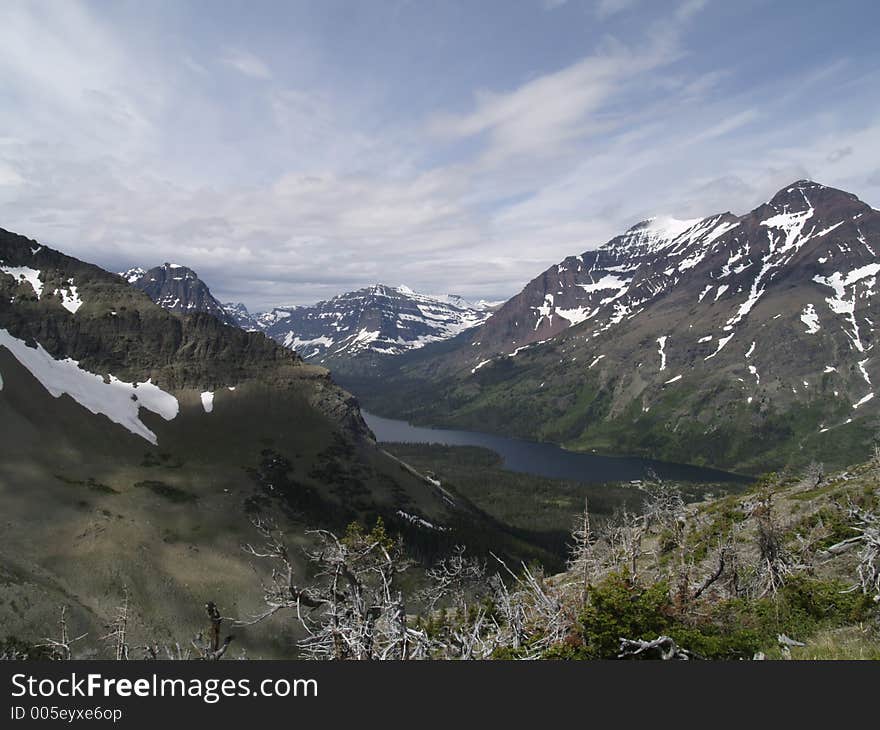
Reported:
(137, 445)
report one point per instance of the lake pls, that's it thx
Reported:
(548, 460)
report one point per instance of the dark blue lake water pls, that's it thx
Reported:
(548, 460)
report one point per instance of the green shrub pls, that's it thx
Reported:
(730, 629)
(617, 608)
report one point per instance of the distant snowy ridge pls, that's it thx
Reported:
(378, 320)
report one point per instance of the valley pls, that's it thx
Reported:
(737, 342)
(436, 331)
(149, 431)
(548, 460)
(138, 445)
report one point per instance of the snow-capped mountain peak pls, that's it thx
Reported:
(377, 320)
(725, 258)
(133, 274)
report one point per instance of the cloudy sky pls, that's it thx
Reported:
(291, 151)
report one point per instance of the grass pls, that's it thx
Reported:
(861, 641)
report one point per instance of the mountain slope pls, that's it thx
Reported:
(742, 342)
(177, 289)
(136, 445)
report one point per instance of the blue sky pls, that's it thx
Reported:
(291, 151)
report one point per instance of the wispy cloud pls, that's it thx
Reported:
(607, 8)
(348, 163)
(246, 63)
(540, 117)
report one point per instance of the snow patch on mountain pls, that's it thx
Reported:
(844, 302)
(609, 281)
(70, 298)
(133, 275)
(811, 319)
(661, 342)
(862, 401)
(23, 274)
(116, 399)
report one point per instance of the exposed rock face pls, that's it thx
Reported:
(241, 317)
(177, 289)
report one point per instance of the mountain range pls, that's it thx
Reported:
(739, 341)
(745, 342)
(144, 425)
(375, 321)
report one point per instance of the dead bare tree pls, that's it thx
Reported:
(533, 614)
(61, 649)
(118, 630)
(208, 645)
(866, 524)
(664, 513)
(457, 576)
(510, 626)
(474, 638)
(205, 646)
(723, 563)
(354, 610)
(624, 543)
(584, 560)
(809, 539)
(775, 564)
(459, 580)
(664, 507)
(663, 646)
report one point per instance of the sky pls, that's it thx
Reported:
(295, 150)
